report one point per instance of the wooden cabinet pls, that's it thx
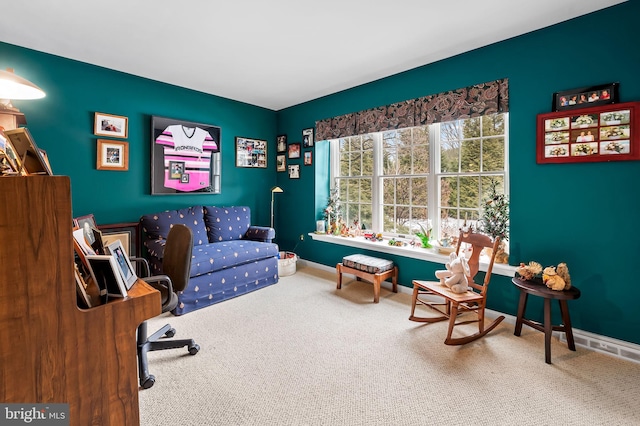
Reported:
(51, 350)
(600, 133)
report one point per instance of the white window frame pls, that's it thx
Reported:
(433, 200)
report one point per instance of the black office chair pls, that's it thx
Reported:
(176, 265)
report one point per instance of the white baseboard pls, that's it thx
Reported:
(595, 342)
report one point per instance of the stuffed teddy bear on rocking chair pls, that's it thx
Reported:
(455, 277)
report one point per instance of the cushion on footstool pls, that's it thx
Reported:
(372, 265)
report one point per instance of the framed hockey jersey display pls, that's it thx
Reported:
(185, 157)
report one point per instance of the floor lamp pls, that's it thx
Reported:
(273, 191)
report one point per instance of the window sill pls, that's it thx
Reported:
(430, 255)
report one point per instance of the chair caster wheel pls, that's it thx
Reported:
(170, 333)
(194, 349)
(148, 381)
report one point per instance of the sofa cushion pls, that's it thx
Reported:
(156, 226)
(226, 223)
(216, 256)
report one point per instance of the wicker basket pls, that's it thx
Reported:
(287, 263)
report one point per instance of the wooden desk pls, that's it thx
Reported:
(539, 289)
(52, 351)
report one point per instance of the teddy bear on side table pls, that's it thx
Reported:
(455, 277)
(557, 278)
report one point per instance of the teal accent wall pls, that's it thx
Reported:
(62, 124)
(576, 213)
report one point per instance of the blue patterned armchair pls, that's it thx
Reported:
(230, 256)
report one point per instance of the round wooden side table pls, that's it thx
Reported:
(539, 289)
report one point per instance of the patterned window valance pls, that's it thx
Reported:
(473, 101)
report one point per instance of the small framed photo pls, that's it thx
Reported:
(110, 125)
(294, 150)
(281, 144)
(294, 171)
(176, 170)
(308, 158)
(127, 233)
(127, 272)
(281, 163)
(307, 138)
(97, 245)
(106, 274)
(112, 155)
(251, 152)
(81, 247)
(584, 97)
(27, 156)
(45, 157)
(82, 289)
(87, 223)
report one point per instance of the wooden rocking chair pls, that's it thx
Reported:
(455, 304)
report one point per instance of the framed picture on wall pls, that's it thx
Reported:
(584, 97)
(307, 138)
(115, 126)
(112, 155)
(294, 150)
(598, 133)
(281, 144)
(185, 157)
(251, 152)
(294, 171)
(281, 163)
(308, 158)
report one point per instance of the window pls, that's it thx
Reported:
(438, 175)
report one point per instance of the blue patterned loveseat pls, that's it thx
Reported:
(230, 257)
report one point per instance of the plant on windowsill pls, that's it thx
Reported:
(425, 235)
(495, 219)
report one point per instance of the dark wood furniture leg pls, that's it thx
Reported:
(522, 306)
(548, 328)
(568, 331)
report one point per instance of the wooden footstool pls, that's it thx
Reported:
(370, 269)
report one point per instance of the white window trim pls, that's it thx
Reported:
(434, 159)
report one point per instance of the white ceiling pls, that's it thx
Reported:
(273, 53)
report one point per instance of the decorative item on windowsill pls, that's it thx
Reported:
(332, 212)
(425, 235)
(495, 220)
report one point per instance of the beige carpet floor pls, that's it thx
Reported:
(301, 352)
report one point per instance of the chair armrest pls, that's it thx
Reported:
(141, 264)
(160, 283)
(260, 233)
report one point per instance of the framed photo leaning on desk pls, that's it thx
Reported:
(106, 273)
(127, 272)
(127, 233)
